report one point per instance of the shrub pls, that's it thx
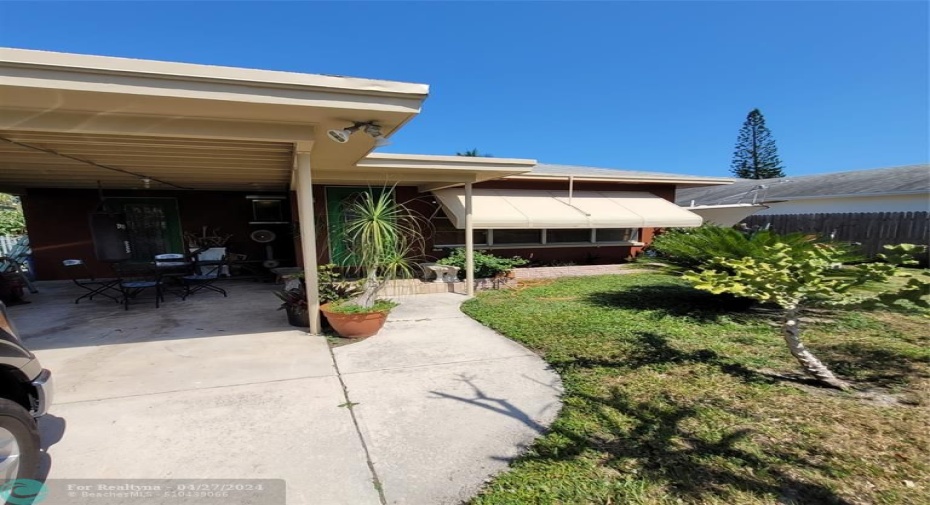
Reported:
(695, 248)
(12, 222)
(332, 288)
(486, 264)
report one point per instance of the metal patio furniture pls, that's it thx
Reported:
(85, 279)
(206, 274)
(171, 268)
(16, 262)
(134, 278)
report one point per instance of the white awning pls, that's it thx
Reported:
(515, 208)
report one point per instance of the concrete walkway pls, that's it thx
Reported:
(443, 402)
(222, 388)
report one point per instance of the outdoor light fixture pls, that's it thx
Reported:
(146, 182)
(372, 129)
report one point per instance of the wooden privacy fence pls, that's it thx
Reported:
(871, 229)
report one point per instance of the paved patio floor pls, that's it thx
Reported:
(223, 388)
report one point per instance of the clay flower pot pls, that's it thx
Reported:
(354, 325)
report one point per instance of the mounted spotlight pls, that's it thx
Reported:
(342, 136)
(375, 132)
(372, 129)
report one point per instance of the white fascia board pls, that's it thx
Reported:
(702, 181)
(190, 71)
(99, 74)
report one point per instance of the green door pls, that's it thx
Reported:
(336, 218)
(153, 225)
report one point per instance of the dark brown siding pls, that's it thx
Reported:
(57, 221)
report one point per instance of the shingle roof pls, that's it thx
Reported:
(907, 179)
(545, 169)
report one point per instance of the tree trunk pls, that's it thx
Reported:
(370, 290)
(792, 333)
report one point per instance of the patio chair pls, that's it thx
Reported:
(205, 275)
(136, 278)
(85, 279)
(171, 267)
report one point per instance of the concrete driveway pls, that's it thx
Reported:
(223, 388)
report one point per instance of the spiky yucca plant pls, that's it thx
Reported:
(382, 236)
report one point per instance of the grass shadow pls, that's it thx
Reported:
(877, 365)
(651, 438)
(664, 450)
(653, 349)
(673, 300)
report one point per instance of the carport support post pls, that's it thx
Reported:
(308, 239)
(469, 245)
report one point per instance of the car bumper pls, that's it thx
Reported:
(44, 387)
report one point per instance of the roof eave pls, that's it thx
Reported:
(189, 72)
(691, 181)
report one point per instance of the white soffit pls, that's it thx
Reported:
(514, 209)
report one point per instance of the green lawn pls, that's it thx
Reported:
(673, 398)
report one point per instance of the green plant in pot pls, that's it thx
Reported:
(294, 303)
(381, 237)
(332, 289)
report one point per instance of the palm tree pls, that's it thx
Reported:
(474, 153)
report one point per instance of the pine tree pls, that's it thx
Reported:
(755, 155)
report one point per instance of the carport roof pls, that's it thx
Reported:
(192, 126)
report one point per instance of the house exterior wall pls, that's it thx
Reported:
(57, 222)
(889, 203)
(424, 204)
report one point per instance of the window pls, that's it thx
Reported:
(446, 235)
(518, 237)
(568, 235)
(267, 209)
(616, 235)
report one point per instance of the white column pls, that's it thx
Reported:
(469, 244)
(308, 239)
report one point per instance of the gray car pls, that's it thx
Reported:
(25, 395)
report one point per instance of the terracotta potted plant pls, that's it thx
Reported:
(381, 235)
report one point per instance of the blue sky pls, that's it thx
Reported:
(658, 86)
